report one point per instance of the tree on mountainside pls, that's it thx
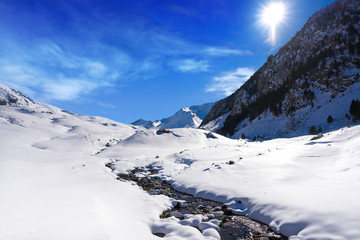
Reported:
(355, 109)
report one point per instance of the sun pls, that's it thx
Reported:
(272, 15)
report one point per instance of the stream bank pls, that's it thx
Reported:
(214, 214)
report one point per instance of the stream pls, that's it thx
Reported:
(231, 226)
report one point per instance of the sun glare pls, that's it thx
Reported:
(272, 15)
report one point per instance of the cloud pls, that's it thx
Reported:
(168, 44)
(52, 62)
(48, 72)
(68, 89)
(96, 68)
(221, 52)
(106, 105)
(190, 65)
(229, 82)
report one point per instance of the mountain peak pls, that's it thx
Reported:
(186, 117)
(9, 96)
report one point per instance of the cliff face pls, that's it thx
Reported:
(320, 61)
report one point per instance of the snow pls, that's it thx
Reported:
(182, 118)
(54, 183)
(304, 189)
(52, 188)
(270, 126)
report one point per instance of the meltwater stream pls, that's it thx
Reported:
(231, 226)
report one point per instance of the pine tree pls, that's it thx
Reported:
(355, 109)
(330, 119)
(319, 130)
(243, 136)
(312, 130)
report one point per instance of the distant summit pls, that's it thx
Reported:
(190, 117)
(314, 76)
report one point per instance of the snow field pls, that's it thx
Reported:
(54, 183)
(304, 189)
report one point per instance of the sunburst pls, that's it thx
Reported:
(271, 16)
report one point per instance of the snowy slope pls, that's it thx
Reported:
(188, 117)
(305, 189)
(268, 125)
(11, 97)
(55, 185)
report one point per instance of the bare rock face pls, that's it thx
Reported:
(321, 59)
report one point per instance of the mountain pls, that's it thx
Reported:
(146, 123)
(23, 111)
(11, 97)
(185, 117)
(55, 175)
(316, 74)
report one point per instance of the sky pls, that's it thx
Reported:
(126, 60)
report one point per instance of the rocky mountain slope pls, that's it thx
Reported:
(316, 74)
(185, 117)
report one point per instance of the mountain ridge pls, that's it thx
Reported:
(321, 59)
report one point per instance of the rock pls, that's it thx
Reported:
(154, 192)
(177, 215)
(211, 135)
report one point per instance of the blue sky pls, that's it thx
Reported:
(127, 60)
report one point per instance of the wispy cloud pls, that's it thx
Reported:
(220, 51)
(190, 65)
(48, 72)
(229, 82)
(170, 44)
(67, 61)
(67, 89)
(106, 105)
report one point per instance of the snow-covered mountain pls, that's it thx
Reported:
(185, 117)
(314, 76)
(54, 182)
(146, 123)
(13, 97)
(22, 111)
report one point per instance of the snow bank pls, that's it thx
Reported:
(54, 184)
(52, 190)
(304, 189)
